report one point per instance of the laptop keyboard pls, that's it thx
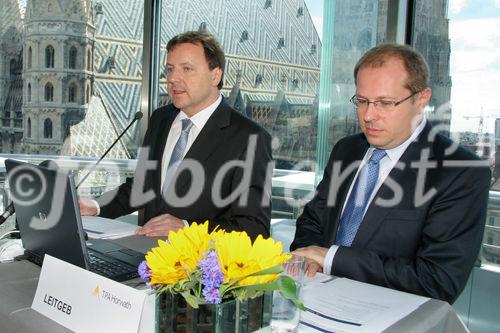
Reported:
(110, 268)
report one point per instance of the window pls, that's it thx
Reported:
(98, 8)
(12, 68)
(87, 94)
(59, 52)
(89, 60)
(72, 57)
(110, 63)
(313, 49)
(47, 129)
(30, 57)
(49, 57)
(49, 92)
(28, 124)
(464, 89)
(72, 93)
(244, 36)
(258, 79)
(281, 43)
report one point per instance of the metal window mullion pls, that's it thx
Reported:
(151, 65)
(325, 89)
(397, 22)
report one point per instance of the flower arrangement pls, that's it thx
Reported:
(211, 267)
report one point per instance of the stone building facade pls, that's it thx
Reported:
(58, 48)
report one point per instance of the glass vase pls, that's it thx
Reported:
(173, 314)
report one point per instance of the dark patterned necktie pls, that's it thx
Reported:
(358, 199)
(178, 152)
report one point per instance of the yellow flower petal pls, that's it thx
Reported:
(173, 261)
(240, 258)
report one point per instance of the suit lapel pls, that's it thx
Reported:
(208, 140)
(158, 143)
(405, 178)
(355, 155)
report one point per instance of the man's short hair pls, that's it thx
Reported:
(212, 49)
(414, 63)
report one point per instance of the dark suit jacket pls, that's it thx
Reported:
(224, 138)
(422, 245)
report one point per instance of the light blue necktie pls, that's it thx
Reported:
(178, 152)
(356, 204)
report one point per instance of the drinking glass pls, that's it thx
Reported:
(285, 314)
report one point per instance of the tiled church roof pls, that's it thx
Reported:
(119, 36)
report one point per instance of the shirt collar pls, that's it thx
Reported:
(395, 153)
(200, 118)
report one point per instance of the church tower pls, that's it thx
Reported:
(11, 83)
(58, 75)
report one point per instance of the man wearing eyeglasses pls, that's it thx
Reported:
(399, 205)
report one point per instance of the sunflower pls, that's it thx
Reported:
(173, 261)
(192, 243)
(165, 264)
(239, 258)
(267, 253)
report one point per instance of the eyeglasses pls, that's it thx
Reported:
(385, 105)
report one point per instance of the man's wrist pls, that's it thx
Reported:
(327, 263)
(98, 208)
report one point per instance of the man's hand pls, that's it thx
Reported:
(315, 256)
(87, 207)
(160, 226)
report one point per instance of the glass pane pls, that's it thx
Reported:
(98, 52)
(459, 41)
(272, 65)
(272, 76)
(71, 84)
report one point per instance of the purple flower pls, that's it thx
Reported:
(212, 295)
(212, 277)
(144, 271)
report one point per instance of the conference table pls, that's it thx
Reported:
(18, 283)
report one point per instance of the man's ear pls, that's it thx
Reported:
(423, 98)
(216, 76)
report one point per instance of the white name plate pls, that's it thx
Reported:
(84, 301)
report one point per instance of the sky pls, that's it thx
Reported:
(474, 61)
(315, 8)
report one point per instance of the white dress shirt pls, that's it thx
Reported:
(199, 120)
(386, 164)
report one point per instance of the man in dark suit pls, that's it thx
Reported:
(399, 205)
(200, 160)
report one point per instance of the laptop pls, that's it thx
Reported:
(48, 216)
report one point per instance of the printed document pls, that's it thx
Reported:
(98, 227)
(344, 305)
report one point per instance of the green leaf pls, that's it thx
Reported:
(193, 301)
(287, 286)
(288, 289)
(243, 294)
(275, 285)
(271, 270)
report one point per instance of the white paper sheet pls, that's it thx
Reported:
(344, 305)
(102, 228)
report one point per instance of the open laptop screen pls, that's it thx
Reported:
(47, 211)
